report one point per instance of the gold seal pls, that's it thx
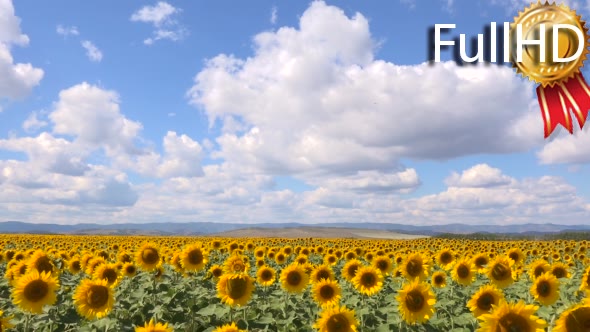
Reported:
(548, 73)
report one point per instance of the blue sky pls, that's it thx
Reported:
(272, 111)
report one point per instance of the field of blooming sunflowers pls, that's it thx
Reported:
(110, 283)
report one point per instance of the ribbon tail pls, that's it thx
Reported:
(577, 93)
(554, 109)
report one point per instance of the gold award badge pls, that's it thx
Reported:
(549, 44)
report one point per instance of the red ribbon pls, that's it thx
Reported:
(557, 101)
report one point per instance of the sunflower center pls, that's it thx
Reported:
(266, 275)
(337, 323)
(439, 279)
(559, 272)
(294, 278)
(110, 275)
(332, 259)
(327, 292)
(236, 288)
(512, 322)
(36, 290)
(500, 272)
(130, 269)
(446, 257)
(98, 296)
(514, 256)
(481, 262)
(195, 257)
(578, 320)
(382, 265)
(352, 270)
(539, 270)
(150, 256)
(323, 274)
(76, 266)
(217, 273)
(239, 267)
(415, 301)
(368, 280)
(43, 264)
(414, 268)
(463, 271)
(544, 288)
(485, 301)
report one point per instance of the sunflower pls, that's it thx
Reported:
(152, 326)
(294, 279)
(350, 268)
(560, 270)
(336, 319)
(499, 271)
(108, 272)
(383, 263)
(576, 318)
(193, 258)
(35, 290)
(229, 328)
(512, 317)
(321, 272)
(480, 261)
(464, 272)
(537, 268)
(482, 301)
(415, 266)
(41, 262)
(5, 322)
(368, 280)
(416, 302)
(236, 264)
(516, 255)
(326, 293)
(74, 265)
(445, 258)
(545, 289)
(216, 271)
(94, 299)
(129, 270)
(585, 284)
(439, 279)
(148, 257)
(266, 276)
(235, 289)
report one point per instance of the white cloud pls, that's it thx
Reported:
(161, 16)
(567, 149)
(67, 31)
(10, 32)
(349, 112)
(479, 176)
(274, 15)
(16, 79)
(92, 115)
(33, 123)
(92, 52)
(158, 15)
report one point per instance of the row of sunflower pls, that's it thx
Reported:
(86, 283)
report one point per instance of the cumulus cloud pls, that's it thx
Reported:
(92, 52)
(162, 17)
(33, 123)
(67, 31)
(478, 176)
(274, 15)
(92, 115)
(16, 79)
(567, 149)
(315, 99)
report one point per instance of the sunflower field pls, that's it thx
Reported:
(111, 283)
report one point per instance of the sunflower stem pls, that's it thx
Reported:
(231, 314)
(362, 315)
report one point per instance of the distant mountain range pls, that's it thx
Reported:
(210, 228)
